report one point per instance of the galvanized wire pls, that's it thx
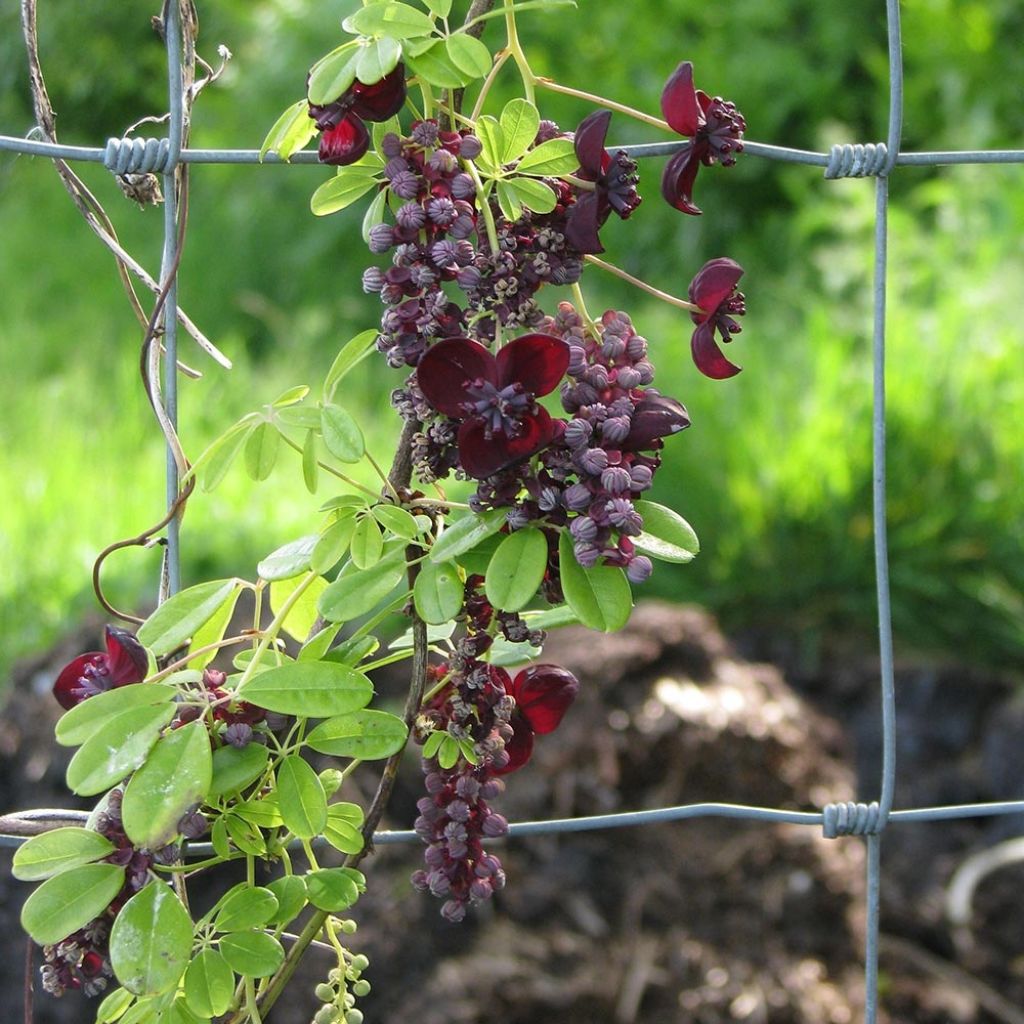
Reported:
(876, 160)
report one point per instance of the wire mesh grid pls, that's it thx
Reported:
(876, 160)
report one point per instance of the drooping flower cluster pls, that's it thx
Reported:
(497, 717)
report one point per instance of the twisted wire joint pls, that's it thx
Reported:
(857, 161)
(137, 156)
(852, 819)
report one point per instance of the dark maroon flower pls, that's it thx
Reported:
(495, 396)
(542, 694)
(345, 138)
(615, 181)
(714, 290)
(124, 662)
(715, 127)
(655, 417)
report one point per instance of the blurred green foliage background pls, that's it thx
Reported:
(775, 473)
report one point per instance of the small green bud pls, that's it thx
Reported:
(325, 993)
(335, 975)
(331, 779)
(354, 1017)
(361, 987)
(326, 1015)
(349, 927)
(359, 963)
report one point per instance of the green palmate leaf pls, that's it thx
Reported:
(289, 560)
(448, 752)
(212, 631)
(95, 713)
(342, 436)
(209, 984)
(261, 450)
(342, 834)
(120, 747)
(464, 534)
(333, 544)
(63, 904)
(469, 55)
(533, 194)
(332, 889)
(245, 835)
(508, 201)
(433, 744)
(352, 353)
(666, 534)
(114, 1006)
(392, 19)
(355, 593)
(438, 592)
(367, 544)
(367, 735)
(439, 8)
(332, 75)
(316, 647)
(311, 689)
(434, 65)
(396, 520)
(340, 191)
(290, 891)
(378, 59)
(245, 907)
(519, 124)
(550, 159)
(469, 751)
(517, 569)
(234, 768)
(374, 215)
(302, 798)
(290, 133)
(175, 777)
(310, 466)
(180, 616)
(60, 850)
(218, 458)
(252, 954)
(492, 139)
(303, 614)
(600, 597)
(151, 940)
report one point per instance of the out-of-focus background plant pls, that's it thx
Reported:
(774, 475)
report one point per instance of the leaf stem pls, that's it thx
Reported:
(485, 88)
(515, 47)
(330, 469)
(601, 101)
(644, 286)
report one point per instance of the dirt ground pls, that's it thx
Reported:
(703, 921)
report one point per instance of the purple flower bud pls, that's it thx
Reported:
(586, 554)
(636, 348)
(391, 145)
(434, 782)
(577, 360)
(593, 460)
(443, 253)
(382, 238)
(622, 515)
(424, 133)
(517, 518)
(406, 184)
(463, 186)
(441, 211)
(641, 477)
(470, 147)
(453, 911)
(492, 788)
(549, 499)
(439, 883)
(577, 497)
(238, 734)
(583, 528)
(411, 216)
(480, 889)
(193, 825)
(468, 279)
(639, 569)
(612, 347)
(494, 825)
(419, 880)
(615, 429)
(462, 227)
(443, 162)
(629, 377)
(458, 810)
(616, 479)
(467, 787)
(434, 856)
(464, 253)
(426, 806)
(596, 376)
(646, 372)
(373, 280)
(487, 866)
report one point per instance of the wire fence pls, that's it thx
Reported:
(877, 160)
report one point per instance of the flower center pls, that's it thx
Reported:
(500, 410)
(723, 130)
(95, 678)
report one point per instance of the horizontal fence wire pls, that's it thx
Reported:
(878, 160)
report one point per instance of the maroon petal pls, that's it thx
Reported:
(66, 688)
(537, 361)
(589, 143)
(655, 417)
(678, 177)
(679, 101)
(583, 221)
(708, 356)
(520, 747)
(381, 100)
(126, 657)
(445, 369)
(543, 694)
(714, 283)
(345, 143)
(482, 456)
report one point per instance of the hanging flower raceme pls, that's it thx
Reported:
(344, 137)
(542, 694)
(714, 290)
(714, 126)
(124, 662)
(495, 397)
(614, 180)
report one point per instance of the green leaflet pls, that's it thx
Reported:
(517, 569)
(368, 735)
(51, 853)
(301, 796)
(309, 689)
(600, 597)
(66, 902)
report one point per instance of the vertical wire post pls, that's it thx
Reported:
(171, 582)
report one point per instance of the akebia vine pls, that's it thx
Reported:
(479, 227)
